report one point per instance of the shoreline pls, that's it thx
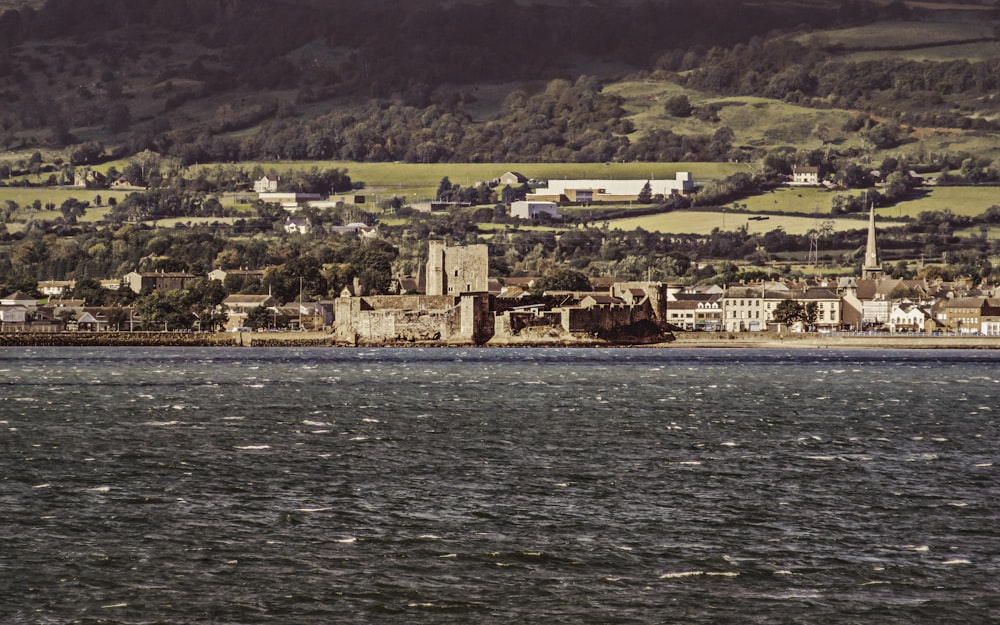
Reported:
(688, 340)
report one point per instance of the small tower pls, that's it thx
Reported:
(872, 268)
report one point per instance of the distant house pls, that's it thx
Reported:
(361, 229)
(805, 175)
(530, 209)
(236, 304)
(239, 306)
(512, 177)
(160, 281)
(18, 298)
(90, 179)
(300, 226)
(123, 183)
(55, 288)
(266, 184)
(222, 274)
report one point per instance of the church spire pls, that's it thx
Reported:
(872, 268)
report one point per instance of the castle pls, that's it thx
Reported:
(457, 308)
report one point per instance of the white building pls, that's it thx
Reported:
(266, 185)
(805, 175)
(530, 209)
(907, 317)
(616, 190)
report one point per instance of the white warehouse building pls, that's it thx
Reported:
(683, 182)
(530, 209)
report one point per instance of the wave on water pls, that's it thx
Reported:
(621, 486)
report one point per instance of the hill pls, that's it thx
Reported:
(433, 81)
(112, 71)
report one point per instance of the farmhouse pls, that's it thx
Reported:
(266, 184)
(299, 226)
(805, 176)
(512, 177)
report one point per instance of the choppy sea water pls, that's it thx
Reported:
(307, 486)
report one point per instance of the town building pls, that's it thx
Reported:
(243, 274)
(160, 281)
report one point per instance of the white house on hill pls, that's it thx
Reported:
(266, 185)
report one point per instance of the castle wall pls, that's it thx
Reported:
(392, 318)
(604, 318)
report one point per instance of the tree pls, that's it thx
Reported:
(445, 190)
(165, 311)
(810, 312)
(678, 106)
(884, 136)
(788, 312)
(90, 291)
(258, 318)
(562, 280)
(87, 153)
(646, 194)
(373, 267)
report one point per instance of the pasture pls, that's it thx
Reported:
(972, 52)
(703, 222)
(420, 181)
(896, 34)
(759, 122)
(970, 201)
(25, 196)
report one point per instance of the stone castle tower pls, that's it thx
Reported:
(457, 270)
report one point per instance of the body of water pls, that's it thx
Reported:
(309, 486)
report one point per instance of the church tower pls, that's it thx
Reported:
(872, 268)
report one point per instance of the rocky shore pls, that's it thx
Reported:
(708, 340)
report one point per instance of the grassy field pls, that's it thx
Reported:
(805, 200)
(901, 34)
(962, 51)
(754, 121)
(419, 181)
(969, 201)
(57, 195)
(698, 222)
